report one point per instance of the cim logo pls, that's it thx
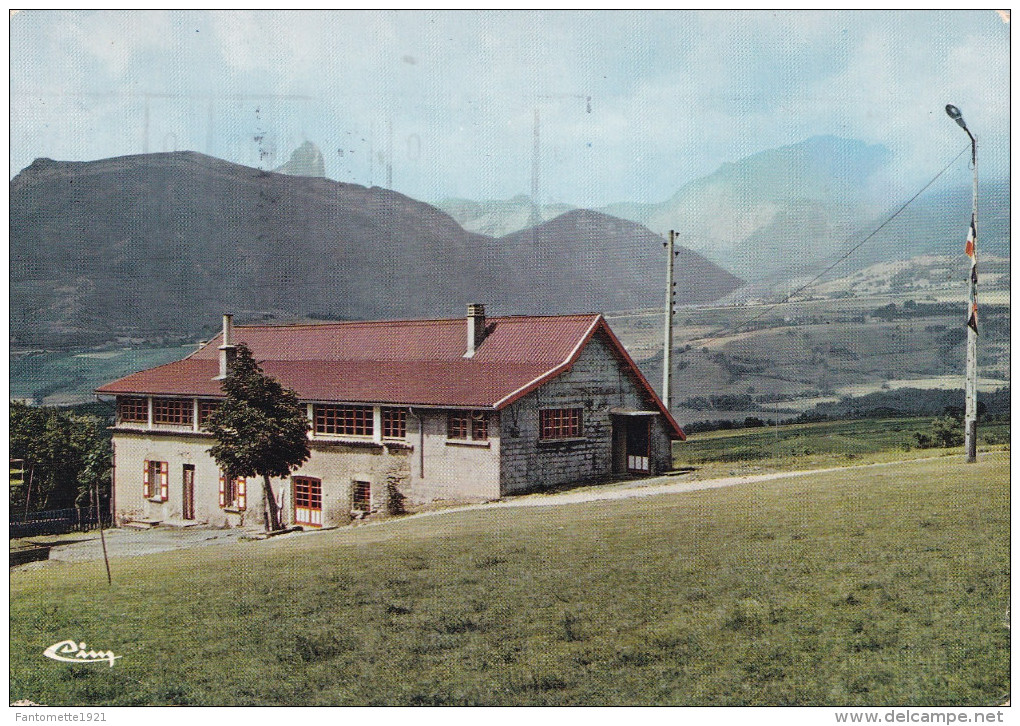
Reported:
(71, 651)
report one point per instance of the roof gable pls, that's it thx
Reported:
(405, 362)
(522, 340)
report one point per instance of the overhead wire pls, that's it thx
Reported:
(734, 328)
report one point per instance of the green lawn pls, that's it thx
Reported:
(886, 585)
(819, 445)
(70, 377)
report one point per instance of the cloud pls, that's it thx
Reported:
(674, 94)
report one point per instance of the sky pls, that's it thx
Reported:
(631, 105)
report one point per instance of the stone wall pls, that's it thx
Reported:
(596, 383)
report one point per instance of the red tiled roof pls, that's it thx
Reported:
(408, 362)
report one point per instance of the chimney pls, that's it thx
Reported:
(475, 328)
(228, 350)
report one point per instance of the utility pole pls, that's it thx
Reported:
(667, 344)
(389, 154)
(970, 386)
(536, 155)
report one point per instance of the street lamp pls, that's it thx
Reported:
(970, 389)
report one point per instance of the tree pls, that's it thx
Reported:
(66, 455)
(260, 429)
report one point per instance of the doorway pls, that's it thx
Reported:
(639, 445)
(188, 492)
(632, 442)
(307, 501)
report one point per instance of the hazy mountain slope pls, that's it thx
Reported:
(499, 217)
(783, 214)
(936, 224)
(159, 245)
(164, 242)
(788, 204)
(305, 161)
(748, 216)
(622, 262)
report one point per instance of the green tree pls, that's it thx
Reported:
(66, 455)
(260, 430)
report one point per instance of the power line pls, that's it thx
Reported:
(845, 255)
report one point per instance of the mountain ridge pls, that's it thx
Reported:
(161, 244)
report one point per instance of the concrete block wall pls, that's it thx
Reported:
(595, 383)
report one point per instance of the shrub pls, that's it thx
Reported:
(946, 432)
(395, 500)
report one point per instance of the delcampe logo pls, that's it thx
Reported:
(71, 651)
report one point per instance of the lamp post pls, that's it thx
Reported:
(970, 387)
(667, 343)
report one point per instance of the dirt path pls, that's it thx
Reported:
(129, 543)
(648, 488)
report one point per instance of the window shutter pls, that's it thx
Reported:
(145, 479)
(223, 491)
(241, 492)
(164, 476)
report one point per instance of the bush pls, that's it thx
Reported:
(396, 503)
(946, 432)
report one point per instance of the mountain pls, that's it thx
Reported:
(499, 217)
(305, 161)
(788, 205)
(755, 217)
(621, 261)
(159, 245)
(784, 214)
(936, 224)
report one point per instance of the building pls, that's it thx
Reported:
(421, 410)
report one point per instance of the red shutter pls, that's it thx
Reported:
(241, 492)
(164, 476)
(145, 479)
(223, 491)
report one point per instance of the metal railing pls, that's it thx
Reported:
(59, 521)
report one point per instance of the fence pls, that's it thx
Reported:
(58, 521)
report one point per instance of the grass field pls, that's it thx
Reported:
(882, 585)
(818, 445)
(64, 378)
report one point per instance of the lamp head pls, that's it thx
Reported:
(954, 113)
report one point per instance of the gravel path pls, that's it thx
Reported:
(129, 543)
(651, 487)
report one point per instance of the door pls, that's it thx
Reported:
(639, 445)
(188, 492)
(307, 501)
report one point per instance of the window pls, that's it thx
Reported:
(177, 411)
(457, 425)
(155, 484)
(205, 410)
(468, 424)
(394, 423)
(361, 497)
(344, 420)
(132, 410)
(559, 423)
(233, 492)
(308, 500)
(479, 426)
